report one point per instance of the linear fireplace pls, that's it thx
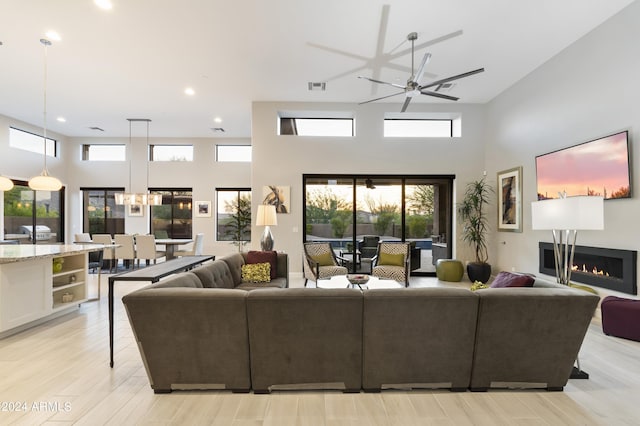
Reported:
(607, 268)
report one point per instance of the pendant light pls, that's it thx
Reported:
(44, 182)
(129, 198)
(6, 184)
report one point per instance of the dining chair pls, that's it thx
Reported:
(125, 249)
(320, 262)
(95, 262)
(392, 261)
(82, 238)
(146, 249)
(195, 249)
(108, 254)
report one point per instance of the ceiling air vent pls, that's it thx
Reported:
(317, 86)
(444, 87)
(96, 128)
(217, 129)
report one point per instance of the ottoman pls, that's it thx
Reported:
(621, 317)
(449, 270)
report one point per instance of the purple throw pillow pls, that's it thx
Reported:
(270, 257)
(508, 279)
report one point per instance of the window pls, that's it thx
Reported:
(233, 153)
(172, 219)
(233, 214)
(104, 152)
(171, 152)
(417, 128)
(26, 211)
(31, 142)
(101, 214)
(316, 126)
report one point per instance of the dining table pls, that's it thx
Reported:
(171, 244)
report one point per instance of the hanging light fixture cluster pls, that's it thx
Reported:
(140, 198)
(45, 182)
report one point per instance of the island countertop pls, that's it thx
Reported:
(20, 252)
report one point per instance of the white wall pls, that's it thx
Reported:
(591, 89)
(282, 160)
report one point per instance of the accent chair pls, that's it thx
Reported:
(392, 261)
(319, 261)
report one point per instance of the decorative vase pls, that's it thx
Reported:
(57, 265)
(479, 272)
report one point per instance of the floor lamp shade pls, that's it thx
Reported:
(565, 217)
(266, 217)
(576, 213)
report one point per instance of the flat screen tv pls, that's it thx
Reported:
(597, 167)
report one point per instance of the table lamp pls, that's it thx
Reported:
(266, 217)
(565, 217)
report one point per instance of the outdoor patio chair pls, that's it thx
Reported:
(368, 246)
(319, 261)
(392, 261)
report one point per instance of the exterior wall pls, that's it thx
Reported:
(587, 91)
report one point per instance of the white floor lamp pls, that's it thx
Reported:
(565, 217)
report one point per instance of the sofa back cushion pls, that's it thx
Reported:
(234, 262)
(215, 275)
(183, 279)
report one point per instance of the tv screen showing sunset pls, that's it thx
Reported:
(599, 167)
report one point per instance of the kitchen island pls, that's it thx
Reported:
(40, 282)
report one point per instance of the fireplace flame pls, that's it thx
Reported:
(594, 270)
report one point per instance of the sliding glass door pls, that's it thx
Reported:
(355, 212)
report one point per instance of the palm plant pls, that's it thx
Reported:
(474, 218)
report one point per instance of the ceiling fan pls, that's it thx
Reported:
(413, 87)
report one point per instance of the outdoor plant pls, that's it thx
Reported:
(473, 216)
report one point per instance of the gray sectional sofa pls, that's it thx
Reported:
(262, 340)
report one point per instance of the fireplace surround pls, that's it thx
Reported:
(612, 269)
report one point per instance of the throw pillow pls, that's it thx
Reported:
(391, 259)
(255, 256)
(256, 272)
(509, 279)
(324, 259)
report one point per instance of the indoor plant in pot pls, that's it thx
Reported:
(473, 216)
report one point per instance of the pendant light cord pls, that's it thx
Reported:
(46, 44)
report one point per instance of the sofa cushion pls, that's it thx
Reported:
(271, 256)
(256, 272)
(391, 259)
(508, 279)
(184, 279)
(215, 275)
(235, 262)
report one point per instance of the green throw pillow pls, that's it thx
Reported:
(256, 272)
(391, 259)
(324, 259)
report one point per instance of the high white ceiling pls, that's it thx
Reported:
(135, 60)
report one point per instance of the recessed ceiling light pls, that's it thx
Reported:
(52, 35)
(189, 91)
(103, 4)
(217, 120)
(61, 119)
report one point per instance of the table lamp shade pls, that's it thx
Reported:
(578, 213)
(266, 215)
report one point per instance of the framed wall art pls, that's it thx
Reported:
(135, 210)
(277, 196)
(203, 209)
(510, 200)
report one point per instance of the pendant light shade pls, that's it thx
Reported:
(6, 184)
(45, 182)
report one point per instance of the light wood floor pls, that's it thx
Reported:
(58, 373)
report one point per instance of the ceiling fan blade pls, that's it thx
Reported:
(438, 95)
(382, 82)
(455, 77)
(383, 97)
(406, 104)
(423, 64)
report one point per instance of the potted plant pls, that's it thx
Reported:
(473, 216)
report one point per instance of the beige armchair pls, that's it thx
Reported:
(319, 261)
(392, 261)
